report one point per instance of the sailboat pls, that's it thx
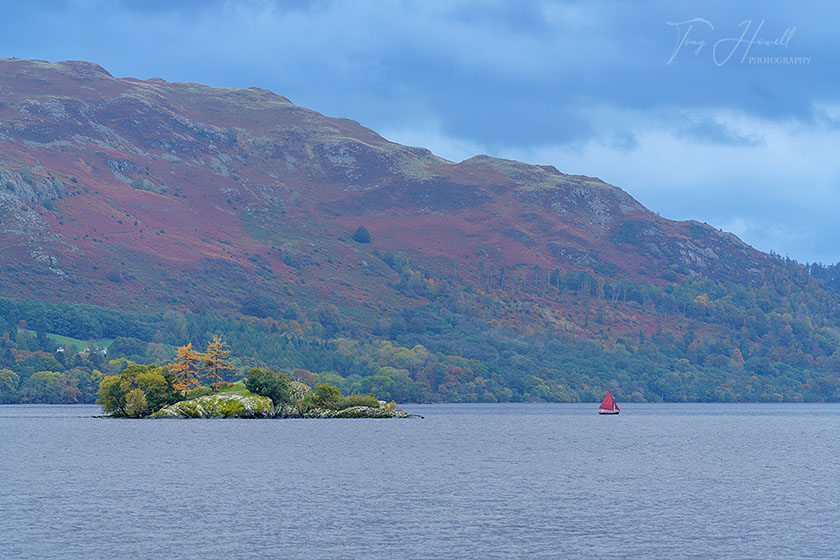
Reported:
(608, 405)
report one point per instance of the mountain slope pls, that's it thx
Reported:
(151, 195)
(215, 178)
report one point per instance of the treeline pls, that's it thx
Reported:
(76, 320)
(547, 336)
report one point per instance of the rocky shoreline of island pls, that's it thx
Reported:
(238, 402)
(241, 403)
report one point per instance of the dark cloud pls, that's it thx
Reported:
(530, 65)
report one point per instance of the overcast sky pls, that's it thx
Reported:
(724, 112)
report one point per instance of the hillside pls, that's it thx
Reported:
(830, 274)
(200, 209)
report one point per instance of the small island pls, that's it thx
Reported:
(174, 391)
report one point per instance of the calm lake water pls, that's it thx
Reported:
(468, 481)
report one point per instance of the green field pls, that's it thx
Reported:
(61, 340)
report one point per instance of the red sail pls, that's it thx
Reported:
(608, 403)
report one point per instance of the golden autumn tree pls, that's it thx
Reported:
(186, 368)
(215, 362)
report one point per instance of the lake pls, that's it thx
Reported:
(468, 481)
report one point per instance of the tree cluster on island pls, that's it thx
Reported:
(143, 390)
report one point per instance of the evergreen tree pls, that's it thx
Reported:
(41, 337)
(361, 235)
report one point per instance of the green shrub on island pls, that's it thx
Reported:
(136, 403)
(368, 400)
(326, 396)
(137, 391)
(329, 397)
(268, 383)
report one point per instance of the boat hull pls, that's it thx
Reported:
(602, 411)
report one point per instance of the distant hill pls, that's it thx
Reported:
(170, 198)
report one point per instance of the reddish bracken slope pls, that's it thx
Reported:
(149, 194)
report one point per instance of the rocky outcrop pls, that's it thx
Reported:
(220, 405)
(298, 390)
(384, 411)
(242, 404)
(361, 412)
